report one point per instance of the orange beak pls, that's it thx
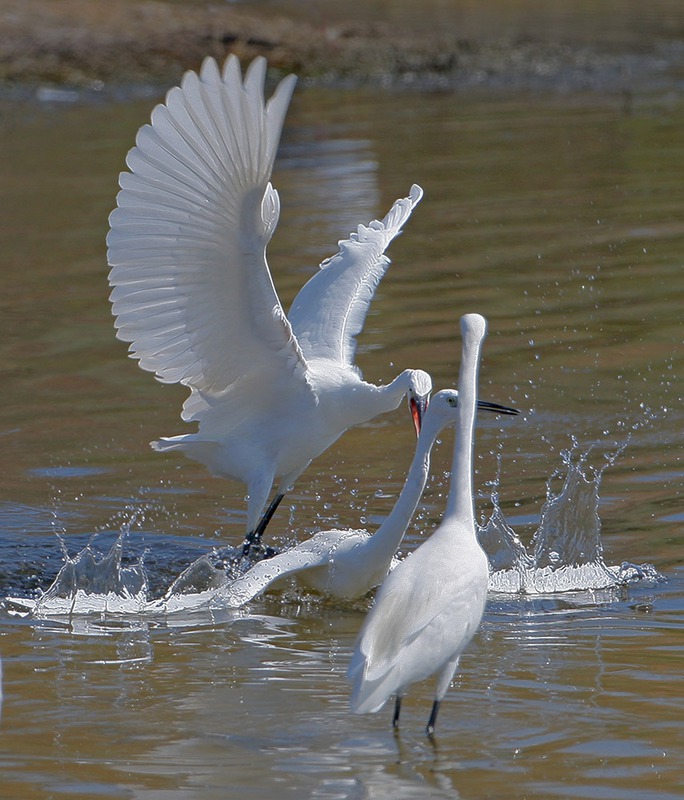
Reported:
(418, 407)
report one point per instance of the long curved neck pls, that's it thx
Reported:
(348, 400)
(389, 534)
(460, 503)
(387, 397)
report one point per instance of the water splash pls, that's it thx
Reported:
(567, 553)
(509, 560)
(92, 582)
(199, 583)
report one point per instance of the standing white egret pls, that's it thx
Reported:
(194, 296)
(346, 564)
(428, 608)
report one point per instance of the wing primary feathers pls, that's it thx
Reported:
(330, 309)
(187, 240)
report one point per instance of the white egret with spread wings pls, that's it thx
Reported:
(193, 294)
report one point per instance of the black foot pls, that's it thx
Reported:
(258, 552)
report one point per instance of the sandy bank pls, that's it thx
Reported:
(87, 42)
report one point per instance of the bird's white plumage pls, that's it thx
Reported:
(326, 328)
(420, 629)
(192, 291)
(346, 564)
(193, 295)
(429, 607)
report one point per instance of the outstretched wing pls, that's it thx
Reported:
(265, 573)
(330, 310)
(192, 290)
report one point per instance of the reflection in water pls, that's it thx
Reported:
(266, 689)
(333, 188)
(221, 695)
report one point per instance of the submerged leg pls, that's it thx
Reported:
(254, 537)
(430, 728)
(397, 710)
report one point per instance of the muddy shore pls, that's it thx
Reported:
(83, 43)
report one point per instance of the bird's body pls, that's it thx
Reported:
(256, 446)
(428, 608)
(346, 564)
(193, 294)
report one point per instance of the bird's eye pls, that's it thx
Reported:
(452, 401)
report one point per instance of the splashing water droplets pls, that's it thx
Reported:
(91, 582)
(567, 553)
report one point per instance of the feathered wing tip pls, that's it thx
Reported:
(330, 309)
(401, 210)
(218, 123)
(214, 133)
(251, 90)
(355, 672)
(390, 628)
(370, 671)
(197, 185)
(379, 232)
(274, 109)
(367, 696)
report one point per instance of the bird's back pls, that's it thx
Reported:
(424, 615)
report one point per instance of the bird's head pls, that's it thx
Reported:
(420, 387)
(447, 399)
(443, 407)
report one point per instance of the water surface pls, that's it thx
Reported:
(557, 216)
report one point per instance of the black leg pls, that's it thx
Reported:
(430, 729)
(397, 709)
(254, 537)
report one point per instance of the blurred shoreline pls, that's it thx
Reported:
(92, 44)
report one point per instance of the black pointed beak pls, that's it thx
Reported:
(418, 406)
(484, 405)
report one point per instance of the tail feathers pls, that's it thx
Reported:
(368, 700)
(203, 451)
(368, 694)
